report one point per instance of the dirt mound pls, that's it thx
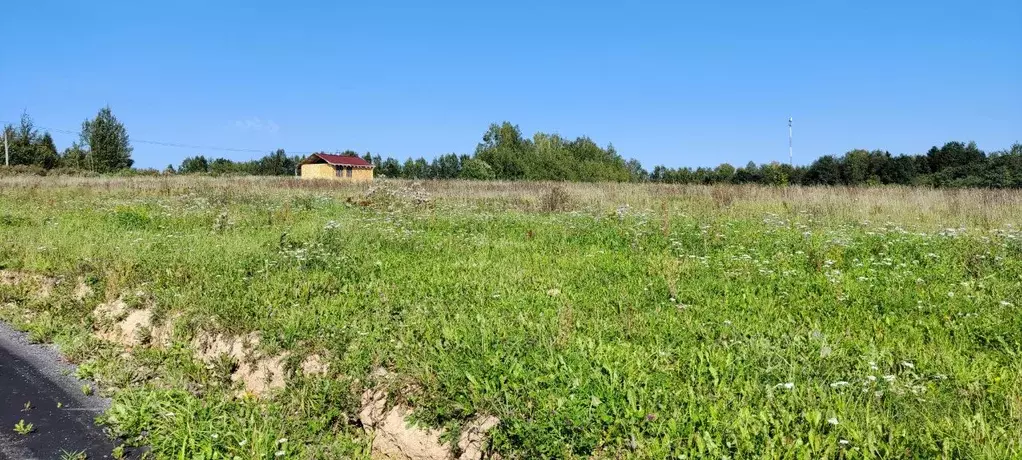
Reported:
(261, 375)
(395, 437)
(314, 365)
(210, 347)
(111, 311)
(129, 328)
(258, 374)
(43, 285)
(374, 403)
(82, 291)
(473, 437)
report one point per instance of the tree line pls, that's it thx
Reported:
(955, 164)
(103, 145)
(505, 154)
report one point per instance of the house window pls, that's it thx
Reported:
(338, 171)
(349, 171)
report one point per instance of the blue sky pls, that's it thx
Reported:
(675, 83)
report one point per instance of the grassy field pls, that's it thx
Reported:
(593, 320)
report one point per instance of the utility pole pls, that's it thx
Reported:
(791, 161)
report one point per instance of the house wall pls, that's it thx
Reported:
(361, 175)
(318, 171)
(326, 171)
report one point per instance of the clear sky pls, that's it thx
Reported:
(675, 83)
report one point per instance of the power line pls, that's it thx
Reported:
(171, 144)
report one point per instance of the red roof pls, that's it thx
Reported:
(341, 160)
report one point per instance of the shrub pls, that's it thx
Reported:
(557, 200)
(22, 170)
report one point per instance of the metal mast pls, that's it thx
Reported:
(791, 162)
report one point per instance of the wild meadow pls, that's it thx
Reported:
(592, 320)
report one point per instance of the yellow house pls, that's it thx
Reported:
(337, 167)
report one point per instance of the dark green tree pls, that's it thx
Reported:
(725, 173)
(954, 154)
(659, 173)
(389, 168)
(476, 169)
(192, 165)
(107, 142)
(27, 147)
(748, 174)
(902, 170)
(73, 157)
(46, 152)
(22, 141)
(504, 149)
(411, 170)
(446, 166)
(824, 171)
(221, 166)
(274, 164)
(636, 173)
(855, 167)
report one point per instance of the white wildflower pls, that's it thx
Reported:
(839, 384)
(786, 385)
(832, 420)
(908, 364)
(843, 442)
(889, 378)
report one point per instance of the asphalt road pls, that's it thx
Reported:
(36, 374)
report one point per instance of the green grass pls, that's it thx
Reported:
(692, 323)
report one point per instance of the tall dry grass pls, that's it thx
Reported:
(985, 208)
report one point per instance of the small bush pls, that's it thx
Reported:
(132, 218)
(22, 170)
(557, 200)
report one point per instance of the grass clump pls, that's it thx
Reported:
(23, 428)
